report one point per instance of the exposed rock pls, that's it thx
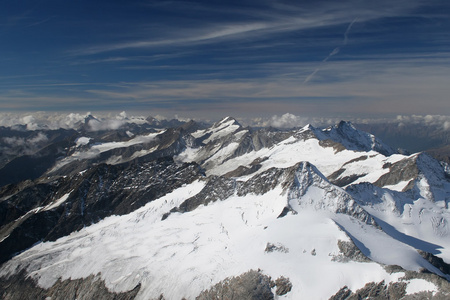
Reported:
(295, 181)
(403, 170)
(276, 247)
(341, 182)
(101, 191)
(338, 147)
(397, 290)
(242, 171)
(393, 269)
(351, 252)
(372, 290)
(285, 211)
(342, 294)
(361, 158)
(251, 285)
(353, 139)
(283, 285)
(91, 287)
(335, 175)
(436, 261)
(442, 284)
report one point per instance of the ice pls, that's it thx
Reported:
(57, 202)
(200, 248)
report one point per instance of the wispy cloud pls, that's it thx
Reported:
(405, 86)
(253, 57)
(332, 53)
(268, 19)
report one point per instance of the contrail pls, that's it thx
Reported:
(348, 30)
(332, 53)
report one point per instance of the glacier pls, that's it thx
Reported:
(331, 210)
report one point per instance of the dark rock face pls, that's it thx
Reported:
(436, 261)
(101, 191)
(243, 170)
(217, 188)
(397, 290)
(335, 178)
(220, 188)
(354, 139)
(350, 251)
(343, 181)
(338, 147)
(251, 285)
(294, 180)
(372, 290)
(92, 287)
(403, 170)
(167, 144)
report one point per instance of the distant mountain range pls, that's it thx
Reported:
(434, 139)
(149, 209)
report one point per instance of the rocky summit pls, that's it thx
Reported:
(186, 210)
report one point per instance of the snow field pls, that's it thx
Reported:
(197, 249)
(420, 285)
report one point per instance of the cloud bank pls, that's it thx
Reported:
(113, 121)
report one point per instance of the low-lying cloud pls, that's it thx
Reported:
(21, 145)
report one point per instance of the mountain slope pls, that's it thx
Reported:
(194, 212)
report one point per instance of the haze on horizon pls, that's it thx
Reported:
(213, 58)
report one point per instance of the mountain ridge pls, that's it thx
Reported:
(180, 211)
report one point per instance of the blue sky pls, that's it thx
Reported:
(216, 58)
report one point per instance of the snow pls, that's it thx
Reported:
(102, 147)
(117, 159)
(4, 238)
(226, 238)
(202, 247)
(420, 285)
(98, 148)
(188, 155)
(81, 141)
(381, 247)
(399, 186)
(219, 130)
(291, 151)
(57, 202)
(223, 153)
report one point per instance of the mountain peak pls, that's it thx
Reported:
(227, 121)
(354, 139)
(343, 124)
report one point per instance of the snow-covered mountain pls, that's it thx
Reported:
(184, 210)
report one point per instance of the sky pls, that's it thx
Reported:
(213, 58)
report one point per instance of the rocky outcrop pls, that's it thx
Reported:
(403, 170)
(252, 285)
(91, 287)
(397, 290)
(295, 181)
(372, 290)
(353, 139)
(436, 261)
(349, 251)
